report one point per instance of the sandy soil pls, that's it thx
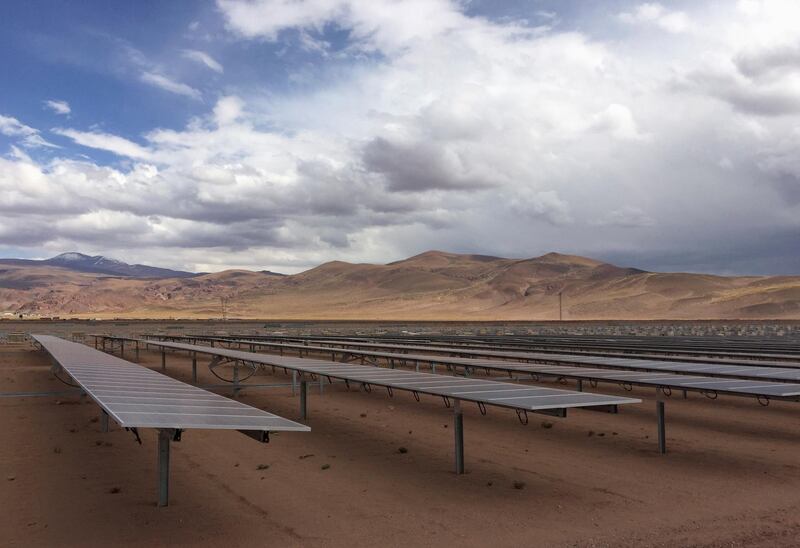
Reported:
(731, 478)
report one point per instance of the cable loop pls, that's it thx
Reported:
(626, 386)
(482, 408)
(389, 390)
(763, 400)
(366, 387)
(65, 382)
(416, 395)
(520, 414)
(666, 390)
(446, 401)
(710, 394)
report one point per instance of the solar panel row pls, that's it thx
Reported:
(629, 368)
(663, 382)
(137, 397)
(454, 390)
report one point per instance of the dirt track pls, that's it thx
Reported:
(732, 475)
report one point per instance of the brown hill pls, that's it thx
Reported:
(433, 285)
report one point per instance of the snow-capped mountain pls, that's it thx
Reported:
(101, 265)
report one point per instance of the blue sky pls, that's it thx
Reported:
(276, 134)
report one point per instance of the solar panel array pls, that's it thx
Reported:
(773, 373)
(750, 387)
(489, 392)
(137, 397)
(757, 381)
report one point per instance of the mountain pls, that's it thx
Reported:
(431, 286)
(98, 264)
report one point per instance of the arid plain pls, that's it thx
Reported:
(372, 465)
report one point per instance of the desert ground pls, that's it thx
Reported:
(377, 470)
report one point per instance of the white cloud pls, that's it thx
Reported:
(376, 24)
(105, 141)
(204, 59)
(654, 13)
(59, 107)
(228, 110)
(618, 121)
(463, 134)
(28, 136)
(161, 81)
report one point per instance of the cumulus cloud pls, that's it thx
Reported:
(656, 14)
(376, 24)
(204, 59)
(59, 107)
(462, 133)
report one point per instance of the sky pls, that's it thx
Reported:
(280, 134)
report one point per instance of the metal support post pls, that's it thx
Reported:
(580, 385)
(321, 384)
(235, 379)
(164, 438)
(303, 399)
(163, 360)
(194, 367)
(103, 421)
(662, 435)
(458, 430)
(122, 348)
(137, 351)
(294, 383)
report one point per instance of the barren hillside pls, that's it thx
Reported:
(433, 285)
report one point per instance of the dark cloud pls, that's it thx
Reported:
(417, 166)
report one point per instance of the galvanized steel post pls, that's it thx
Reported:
(303, 399)
(662, 435)
(163, 466)
(458, 423)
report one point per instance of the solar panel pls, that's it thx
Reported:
(137, 397)
(529, 398)
(732, 371)
(453, 390)
(696, 374)
(663, 382)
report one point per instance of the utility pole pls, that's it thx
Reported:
(223, 301)
(560, 306)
